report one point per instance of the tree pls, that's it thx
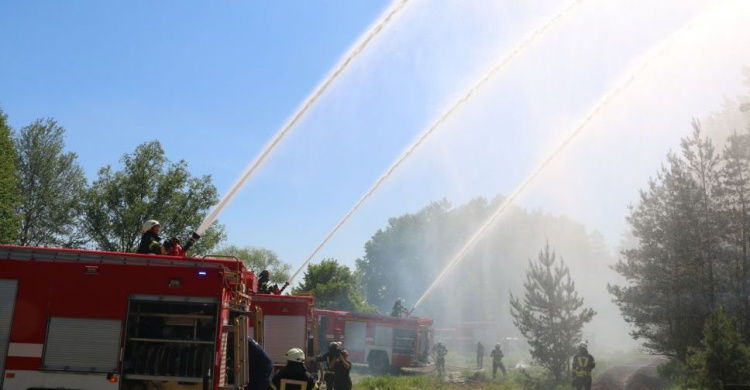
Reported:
(723, 358)
(52, 185)
(551, 315)
(149, 186)
(334, 287)
(258, 259)
(10, 221)
(735, 196)
(678, 274)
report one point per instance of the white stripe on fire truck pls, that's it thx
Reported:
(25, 350)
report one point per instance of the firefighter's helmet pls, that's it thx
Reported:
(148, 225)
(295, 355)
(264, 274)
(497, 345)
(583, 345)
(333, 346)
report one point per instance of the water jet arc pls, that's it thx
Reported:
(353, 53)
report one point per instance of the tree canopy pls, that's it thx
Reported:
(9, 197)
(259, 259)
(691, 258)
(149, 186)
(52, 186)
(335, 287)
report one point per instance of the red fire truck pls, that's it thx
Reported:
(380, 341)
(287, 322)
(76, 319)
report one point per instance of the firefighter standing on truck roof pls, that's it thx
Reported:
(583, 363)
(294, 376)
(497, 361)
(329, 358)
(398, 308)
(151, 242)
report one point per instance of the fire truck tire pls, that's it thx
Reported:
(378, 361)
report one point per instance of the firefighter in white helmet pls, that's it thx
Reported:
(150, 240)
(294, 376)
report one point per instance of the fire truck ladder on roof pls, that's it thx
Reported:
(76, 256)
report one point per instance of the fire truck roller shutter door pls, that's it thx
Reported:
(82, 344)
(282, 333)
(7, 304)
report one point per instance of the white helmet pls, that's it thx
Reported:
(583, 345)
(295, 355)
(148, 225)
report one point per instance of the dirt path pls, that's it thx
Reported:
(639, 374)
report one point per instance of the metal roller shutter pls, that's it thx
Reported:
(82, 344)
(282, 333)
(7, 304)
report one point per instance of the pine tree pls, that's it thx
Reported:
(550, 316)
(722, 358)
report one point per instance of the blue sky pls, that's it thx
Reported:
(215, 81)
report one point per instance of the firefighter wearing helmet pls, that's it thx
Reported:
(294, 375)
(398, 308)
(497, 361)
(440, 352)
(330, 359)
(264, 286)
(582, 365)
(151, 242)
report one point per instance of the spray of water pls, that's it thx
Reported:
(501, 64)
(353, 53)
(657, 52)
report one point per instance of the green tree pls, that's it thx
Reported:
(10, 221)
(149, 186)
(258, 259)
(335, 287)
(677, 273)
(735, 206)
(722, 359)
(550, 315)
(52, 185)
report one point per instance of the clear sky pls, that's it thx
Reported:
(214, 81)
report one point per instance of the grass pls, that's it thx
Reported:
(462, 374)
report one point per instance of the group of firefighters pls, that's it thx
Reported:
(337, 365)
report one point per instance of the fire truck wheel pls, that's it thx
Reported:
(379, 361)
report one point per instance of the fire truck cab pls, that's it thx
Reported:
(78, 319)
(382, 342)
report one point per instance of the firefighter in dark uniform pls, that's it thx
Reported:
(150, 240)
(497, 361)
(294, 376)
(264, 286)
(583, 363)
(330, 359)
(398, 308)
(440, 352)
(480, 355)
(261, 367)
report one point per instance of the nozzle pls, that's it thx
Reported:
(193, 238)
